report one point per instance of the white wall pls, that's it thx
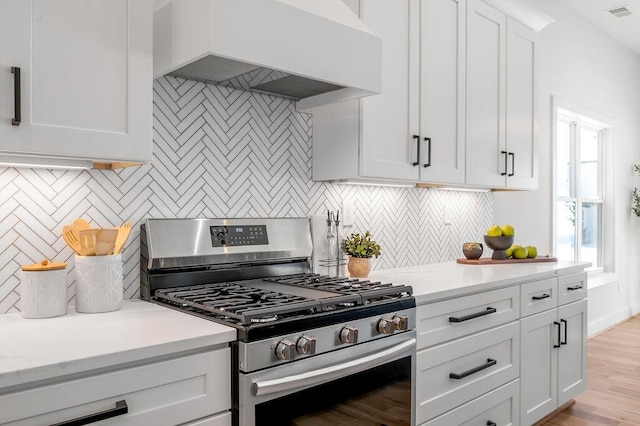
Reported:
(580, 63)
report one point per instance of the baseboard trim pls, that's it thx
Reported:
(558, 410)
(604, 323)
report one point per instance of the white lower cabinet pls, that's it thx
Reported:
(170, 392)
(456, 372)
(509, 356)
(500, 407)
(554, 364)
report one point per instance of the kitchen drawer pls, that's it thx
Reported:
(450, 319)
(538, 296)
(501, 406)
(488, 359)
(572, 288)
(223, 419)
(169, 392)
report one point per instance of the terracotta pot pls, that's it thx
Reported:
(359, 267)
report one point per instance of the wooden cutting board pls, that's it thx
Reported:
(489, 261)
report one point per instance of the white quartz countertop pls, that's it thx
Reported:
(437, 281)
(38, 349)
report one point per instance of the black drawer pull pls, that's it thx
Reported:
(559, 326)
(120, 409)
(417, 162)
(575, 287)
(564, 342)
(472, 316)
(16, 97)
(490, 362)
(505, 163)
(544, 296)
(428, 163)
(491, 423)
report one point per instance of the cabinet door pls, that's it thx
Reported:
(539, 366)
(521, 107)
(86, 71)
(387, 148)
(572, 357)
(485, 160)
(442, 90)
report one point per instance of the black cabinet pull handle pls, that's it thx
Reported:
(474, 315)
(505, 163)
(491, 423)
(120, 409)
(513, 164)
(564, 342)
(417, 162)
(490, 362)
(558, 324)
(544, 296)
(428, 163)
(16, 97)
(575, 287)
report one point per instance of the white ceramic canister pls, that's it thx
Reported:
(43, 290)
(98, 283)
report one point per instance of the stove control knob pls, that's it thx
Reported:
(349, 335)
(306, 345)
(386, 326)
(402, 322)
(286, 350)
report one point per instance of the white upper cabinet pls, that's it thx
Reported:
(414, 130)
(521, 107)
(442, 90)
(486, 153)
(85, 87)
(372, 138)
(457, 105)
(501, 146)
(387, 119)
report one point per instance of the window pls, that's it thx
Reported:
(580, 187)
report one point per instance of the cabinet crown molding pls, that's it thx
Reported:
(522, 12)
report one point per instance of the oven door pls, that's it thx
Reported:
(366, 384)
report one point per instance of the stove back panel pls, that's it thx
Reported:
(184, 243)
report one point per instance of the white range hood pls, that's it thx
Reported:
(314, 51)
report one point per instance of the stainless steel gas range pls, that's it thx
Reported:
(311, 349)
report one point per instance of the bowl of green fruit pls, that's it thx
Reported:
(498, 239)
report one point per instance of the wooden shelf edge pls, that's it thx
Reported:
(115, 165)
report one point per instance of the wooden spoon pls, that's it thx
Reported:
(88, 241)
(80, 224)
(72, 240)
(105, 241)
(123, 234)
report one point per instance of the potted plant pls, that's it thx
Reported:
(360, 249)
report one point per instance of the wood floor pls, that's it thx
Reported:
(613, 394)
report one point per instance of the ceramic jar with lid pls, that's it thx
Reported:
(43, 290)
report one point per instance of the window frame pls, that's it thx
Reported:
(572, 112)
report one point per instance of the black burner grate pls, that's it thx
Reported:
(257, 301)
(240, 302)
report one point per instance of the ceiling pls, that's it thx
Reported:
(626, 29)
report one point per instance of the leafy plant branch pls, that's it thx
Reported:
(636, 194)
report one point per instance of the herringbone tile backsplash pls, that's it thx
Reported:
(220, 152)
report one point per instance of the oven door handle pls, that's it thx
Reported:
(326, 374)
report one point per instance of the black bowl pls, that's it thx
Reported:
(498, 245)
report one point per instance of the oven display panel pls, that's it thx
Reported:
(245, 235)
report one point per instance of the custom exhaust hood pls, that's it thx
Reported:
(313, 51)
